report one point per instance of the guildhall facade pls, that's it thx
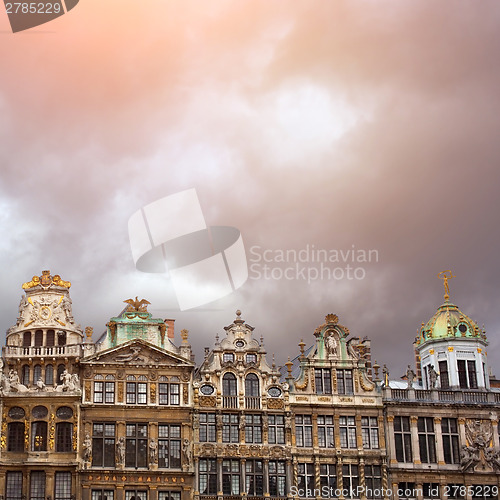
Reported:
(131, 416)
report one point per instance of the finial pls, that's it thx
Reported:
(376, 368)
(301, 345)
(443, 276)
(137, 305)
(262, 340)
(184, 336)
(289, 365)
(216, 338)
(238, 319)
(274, 363)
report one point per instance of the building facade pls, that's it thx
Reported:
(130, 416)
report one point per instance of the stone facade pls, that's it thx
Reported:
(130, 416)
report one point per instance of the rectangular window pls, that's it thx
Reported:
(103, 444)
(230, 428)
(208, 476)
(325, 431)
(228, 357)
(462, 374)
(350, 477)
(471, 370)
(137, 393)
(64, 437)
(169, 446)
(14, 486)
(208, 429)
(369, 432)
(16, 436)
(98, 392)
(169, 394)
(169, 495)
(231, 477)
(344, 382)
(136, 445)
(430, 491)
(449, 431)
(407, 491)
(62, 486)
(347, 427)
(109, 392)
(253, 429)
(373, 481)
(443, 375)
(402, 438)
(37, 485)
(103, 494)
(303, 431)
(251, 358)
(323, 380)
(277, 478)
(305, 476)
(276, 430)
(328, 476)
(39, 436)
(136, 495)
(426, 440)
(254, 478)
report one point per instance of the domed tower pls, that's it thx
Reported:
(451, 348)
(45, 341)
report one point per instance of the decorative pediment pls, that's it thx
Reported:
(137, 352)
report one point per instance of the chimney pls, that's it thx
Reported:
(170, 327)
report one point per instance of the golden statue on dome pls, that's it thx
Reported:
(443, 275)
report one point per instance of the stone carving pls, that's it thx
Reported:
(70, 382)
(275, 404)
(351, 349)
(432, 376)
(137, 305)
(187, 451)
(130, 356)
(410, 377)
(153, 451)
(87, 448)
(477, 454)
(120, 450)
(14, 383)
(331, 346)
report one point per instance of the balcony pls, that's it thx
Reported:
(42, 351)
(230, 401)
(443, 396)
(252, 402)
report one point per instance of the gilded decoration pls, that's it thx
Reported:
(302, 385)
(88, 390)
(275, 404)
(45, 281)
(152, 391)
(3, 437)
(208, 401)
(75, 436)
(365, 383)
(26, 434)
(120, 392)
(52, 431)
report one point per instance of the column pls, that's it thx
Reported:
(392, 442)
(315, 429)
(395, 491)
(153, 492)
(85, 492)
(266, 477)
(414, 440)
(494, 424)
(219, 476)
(439, 441)
(340, 477)
(362, 482)
(120, 494)
(317, 480)
(420, 491)
(461, 431)
(359, 435)
(243, 471)
(336, 426)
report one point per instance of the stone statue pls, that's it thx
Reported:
(432, 376)
(410, 377)
(120, 450)
(331, 345)
(87, 448)
(187, 451)
(469, 457)
(351, 350)
(14, 382)
(153, 449)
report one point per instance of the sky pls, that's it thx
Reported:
(341, 126)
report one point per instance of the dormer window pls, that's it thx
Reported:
(228, 357)
(239, 343)
(251, 358)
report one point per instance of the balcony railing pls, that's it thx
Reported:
(230, 401)
(42, 351)
(458, 396)
(252, 402)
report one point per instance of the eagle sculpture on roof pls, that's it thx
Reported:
(137, 305)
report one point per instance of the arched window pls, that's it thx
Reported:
(60, 370)
(229, 386)
(26, 375)
(26, 339)
(252, 385)
(38, 338)
(39, 436)
(50, 339)
(37, 373)
(49, 375)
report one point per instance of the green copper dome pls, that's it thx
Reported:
(449, 322)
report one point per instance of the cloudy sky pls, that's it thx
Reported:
(335, 125)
